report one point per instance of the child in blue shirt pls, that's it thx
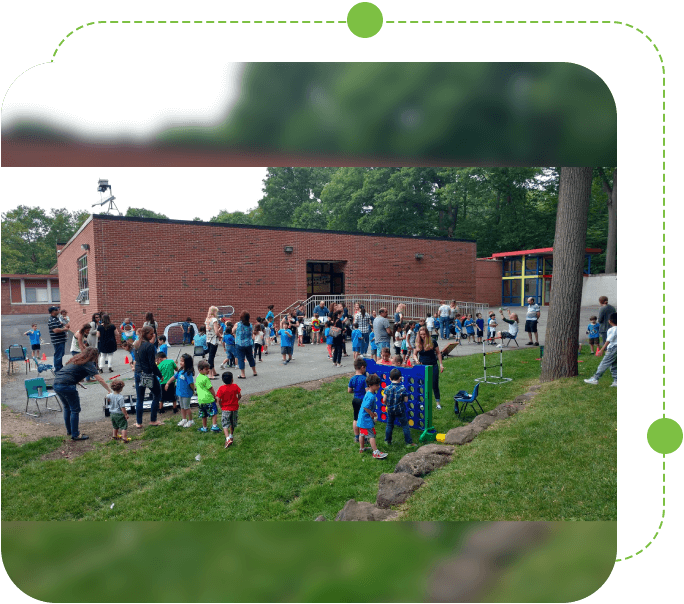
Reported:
(357, 387)
(185, 388)
(163, 346)
(34, 338)
(200, 338)
(357, 341)
(479, 322)
(593, 333)
(328, 341)
(373, 346)
(469, 324)
(367, 417)
(187, 337)
(229, 346)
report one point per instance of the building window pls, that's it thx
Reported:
(55, 294)
(531, 265)
(83, 293)
(512, 268)
(36, 295)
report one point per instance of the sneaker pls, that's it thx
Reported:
(181, 423)
(188, 423)
(215, 429)
(229, 442)
(222, 366)
(202, 429)
(438, 405)
(379, 454)
(591, 380)
(529, 343)
(614, 384)
(364, 449)
(536, 343)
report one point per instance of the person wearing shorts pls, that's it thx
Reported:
(286, 342)
(205, 398)
(184, 382)
(34, 338)
(229, 396)
(533, 314)
(357, 387)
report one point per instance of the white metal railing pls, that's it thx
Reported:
(416, 308)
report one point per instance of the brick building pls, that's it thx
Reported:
(176, 268)
(488, 281)
(29, 294)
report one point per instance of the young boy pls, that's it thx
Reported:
(34, 338)
(163, 347)
(429, 322)
(168, 390)
(357, 387)
(184, 379)
(385, 357)
(205, 398)
(593, 333)
(229, 396)
(610, 360)
(479, 322)
(367, 415)
(229, 346)
(491, 324)
(469, 324)
(286, 341)
(187, 338)
(118, 412)
(357, 341)
(395, 397)
(127, 323)
(398, 360)
(373, 346)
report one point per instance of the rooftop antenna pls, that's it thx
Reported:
(103, 186)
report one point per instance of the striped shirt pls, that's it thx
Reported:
(56, 338)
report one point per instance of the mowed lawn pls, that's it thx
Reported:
(294, 458)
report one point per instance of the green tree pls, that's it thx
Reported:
(234, 217)
(143, 213)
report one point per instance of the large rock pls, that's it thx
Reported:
(425, 460)
(482, 422)
(459, 436)
(362, 511)
(394, 489)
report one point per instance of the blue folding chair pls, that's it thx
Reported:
(36, 389)
(40, 367)
(15, 354)
(461, 402)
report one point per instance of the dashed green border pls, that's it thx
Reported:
(632, 27)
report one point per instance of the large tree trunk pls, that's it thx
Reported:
(562, 330)
(611, 248)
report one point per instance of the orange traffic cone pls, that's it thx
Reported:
(44, 357)
(126, 362)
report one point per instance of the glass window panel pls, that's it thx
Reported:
(531, 265)
(55, 294)
(531, 289)
(548, 266)
(30, 294)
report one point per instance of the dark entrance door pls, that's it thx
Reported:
(324, 278)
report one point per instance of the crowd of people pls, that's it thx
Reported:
(246, 342)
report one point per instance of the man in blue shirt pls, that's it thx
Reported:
(322, 310)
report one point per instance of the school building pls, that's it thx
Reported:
(177, 269)
(29, 294)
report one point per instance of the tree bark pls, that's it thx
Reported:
(611, 246)
(562, 331)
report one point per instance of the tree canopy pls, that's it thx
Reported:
(143, 213)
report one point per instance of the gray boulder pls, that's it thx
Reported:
(460, 436)
(425, 460)
(394, 489)
(362, 511)
(482, 422)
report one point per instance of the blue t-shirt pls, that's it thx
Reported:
(358, 383)
(365, 420)
(373, 345)
(328, 337)
(480, 324)
(269, 315)
(458, 325)
(183, 381)
(322, 312)
(34, 337)
(357, 338)
(201, 340)
(285, 337)
(228, 339)
(593, 330)
(469, 326)
(164, 348)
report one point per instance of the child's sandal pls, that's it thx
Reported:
(126, 440)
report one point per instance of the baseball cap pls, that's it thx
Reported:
(53, 308)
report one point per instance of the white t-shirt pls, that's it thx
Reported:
(611, 338)
(430, 323)
(444, 310)
(300, 330)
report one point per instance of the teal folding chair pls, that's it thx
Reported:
(15, 354)
(36, 389)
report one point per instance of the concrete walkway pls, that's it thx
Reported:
(310, 363)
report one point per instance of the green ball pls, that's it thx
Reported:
(364, 20)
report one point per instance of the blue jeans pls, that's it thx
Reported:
(59, 353)
(140, 396)
(71, 406)
(444, 327)
(365, 343)
(242, 353)
(403, 422)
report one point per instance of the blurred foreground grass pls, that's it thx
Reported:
(302, 562)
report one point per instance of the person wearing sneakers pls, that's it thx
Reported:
(206, 398)
(395, 397)
(610, 359)
(229, 396)
(367, 417)
(118, 412)
(531, 321)
(357, 387)
(185, 388)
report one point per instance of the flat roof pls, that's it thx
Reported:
(541, 250)
(17, 276)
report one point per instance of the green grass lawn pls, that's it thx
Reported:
(294, 458)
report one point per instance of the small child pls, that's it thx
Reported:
(399, 336)
(593, 333)
(168, 391)
(410, 339)
(205, 398)
(479, 322)
(200, 339)
(34, 338)
(163, 347)
(492, 324)
(367, 417)
(329, 342)
(429, 322)
(187, 336)
(395, 397)
(118, 412)
(315, 329)
(229, 396)
(63, 318)
(373, 346)
(398, 360)
(385, 357)
(300, 334)
(127, 345)
(610, 360)
(469, 324)
(357, 341)
(127, 323)
(286, 341)
(267, 336)
(229, 346)
(258, 336)
(128, 333)
(357, 387)
(458, 327)
(185, 380)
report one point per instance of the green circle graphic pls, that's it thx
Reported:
(364, 20)
(664, 436)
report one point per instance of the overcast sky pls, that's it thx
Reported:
(135, 100)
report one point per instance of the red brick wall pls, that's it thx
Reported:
(11, 292)
(488, 281)
(176, 270)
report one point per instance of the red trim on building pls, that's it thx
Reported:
(541, 250)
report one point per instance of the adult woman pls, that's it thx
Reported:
(78, 367)
(79, 342)
(107, 338)
(338, 340)
(243, 344)
(427, 353)
(150, 322)
(92, 336)
(146, 374)
(213, 334)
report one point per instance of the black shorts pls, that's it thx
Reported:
(531, 326)
(356, 405)
(168, 396)
(35, 346)
(479, 333)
